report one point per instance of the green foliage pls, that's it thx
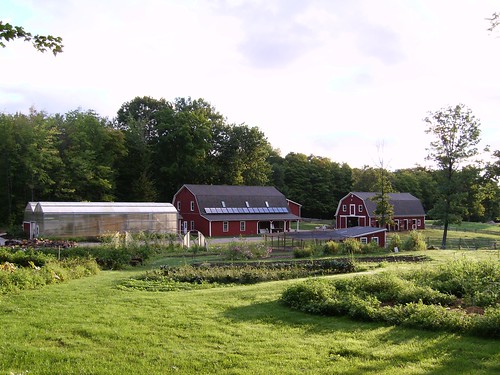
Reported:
(303, 252)
(175, 278)
(17, 276)
(41, 42)
(351, 246)
(245, 250)
(332, 248)
(415, 242)
(433, 299)
(395, 241)
(475, 282)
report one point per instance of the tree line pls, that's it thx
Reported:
(152, 147)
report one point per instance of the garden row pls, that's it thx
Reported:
(462, 296)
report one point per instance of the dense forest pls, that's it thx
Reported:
(152, 147)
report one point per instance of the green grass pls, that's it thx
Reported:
(88, 326)
(470, 226)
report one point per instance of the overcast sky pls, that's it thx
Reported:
(332, 78)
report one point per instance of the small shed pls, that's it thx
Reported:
(91, 219)
(364, 235)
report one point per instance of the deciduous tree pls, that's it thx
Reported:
(456, 136)
(42, 43)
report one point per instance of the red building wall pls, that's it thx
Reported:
(352, 206)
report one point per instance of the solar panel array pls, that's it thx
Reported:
(247, 210)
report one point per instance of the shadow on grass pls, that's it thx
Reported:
(380, 347)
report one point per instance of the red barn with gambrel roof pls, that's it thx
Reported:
(358, 209)
(225, 210)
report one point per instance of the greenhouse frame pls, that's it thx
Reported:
(92, 219)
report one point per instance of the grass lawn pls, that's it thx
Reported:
(88, 326)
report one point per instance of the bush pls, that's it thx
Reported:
(371, 247)
(331, 248)
(351, 246)
(395, 242)
(306, 252)
(243, 250)
(32, 277)
(447, 297)
(415, 242)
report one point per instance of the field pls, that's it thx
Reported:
(91, 326)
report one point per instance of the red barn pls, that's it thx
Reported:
(358, 209)
(224, 210)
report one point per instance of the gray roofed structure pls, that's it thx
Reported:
(211, 196)
(404, 204)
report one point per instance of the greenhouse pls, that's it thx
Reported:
(91, 219)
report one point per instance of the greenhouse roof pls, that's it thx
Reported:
(103, 207)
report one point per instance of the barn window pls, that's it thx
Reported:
(178, 205)
(192, 224)
(419, 222)
(344, 208)
(192, 205)
(225, 226)
(375, 239)
(363, 240)
(242, 226)
(360, 208)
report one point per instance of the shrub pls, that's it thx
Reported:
(331, 248)
(371, 247)
(428, 299)
(243, 250)
(351, 246)
(415, 241)
(395, 242)
(32, 277)
(306, 252)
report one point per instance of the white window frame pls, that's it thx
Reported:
(191, 225)
(360, 208)
(363, 240)
(374, 239)
(192, 206)
(344, 208)
(419, 222)
(178, 205)
(243, 226)
(225, 226)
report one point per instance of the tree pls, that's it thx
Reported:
(456, 132)
(41, 42)
(494, 21)
(384, 210)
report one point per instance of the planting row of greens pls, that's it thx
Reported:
(462, 296)
(32, 271)
(201, 275)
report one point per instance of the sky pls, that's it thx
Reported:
(348, 80)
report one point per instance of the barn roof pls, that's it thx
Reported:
(238, 202)
(103, 207)
(404, 204)
(336, 234)
(212, 196)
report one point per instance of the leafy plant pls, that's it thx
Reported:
(415, 241)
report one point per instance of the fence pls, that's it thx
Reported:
(467, 244)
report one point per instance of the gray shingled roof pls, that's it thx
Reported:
(336, 234)
(209, 196)
(404, 204)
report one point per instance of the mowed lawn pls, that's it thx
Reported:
(89, 326)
